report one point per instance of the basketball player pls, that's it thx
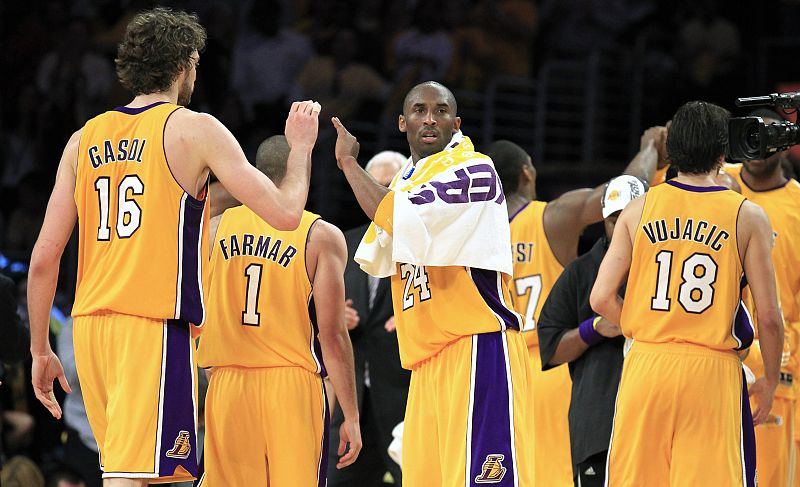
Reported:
(544, 239)
(763, 183)
(136, 179)
(266, 411)
(467, 419)
(682, 415)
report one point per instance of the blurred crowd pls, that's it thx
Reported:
(357, 58)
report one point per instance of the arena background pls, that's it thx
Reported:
(575, 82)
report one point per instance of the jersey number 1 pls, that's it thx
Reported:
(129, 214)
(250, 315)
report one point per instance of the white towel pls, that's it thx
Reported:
(449, 210)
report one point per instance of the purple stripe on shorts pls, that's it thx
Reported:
(192, 309)
(178, 423)
(492, 460)
(486, 282)
(322, 472)
(748, 438)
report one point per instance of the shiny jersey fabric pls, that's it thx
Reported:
(141, 237)
(258, 296)
(685, 277)
(536, 268)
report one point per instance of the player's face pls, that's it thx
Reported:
(429, 122)
(187, 87)
(765, 167)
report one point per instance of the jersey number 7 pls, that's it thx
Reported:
(530, 286)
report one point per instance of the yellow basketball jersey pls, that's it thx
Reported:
(536, 268)
(258, 296)
(685, 276)
(141, 237)
(435, 306)
(782, 206)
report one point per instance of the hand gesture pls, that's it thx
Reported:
(346, 143)
(351, 317)
(764, 395)
(607, 328)
(302, 125)
(45, 369)
(349, 432)
(389, 326)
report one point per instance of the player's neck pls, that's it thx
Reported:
(515, 201)
(764, 182)
(706, 179)
(150, 98)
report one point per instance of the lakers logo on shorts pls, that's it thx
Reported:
(182, 446)
(492, 471)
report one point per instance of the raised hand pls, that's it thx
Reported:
(346, 143)
(302, 124)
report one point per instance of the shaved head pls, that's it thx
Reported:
(272, 156)
(451, 99)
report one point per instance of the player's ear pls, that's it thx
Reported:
(401, 123)
(456, 124)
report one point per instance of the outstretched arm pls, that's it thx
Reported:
(59, 220)
(282, 207)
(566, 217)
(328, 254)
(369, 192)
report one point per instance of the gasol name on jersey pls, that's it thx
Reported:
(125, 150)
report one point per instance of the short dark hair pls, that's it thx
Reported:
(509, 159)
(272, 156)
(451, 98)
(158, 44)
(698, 137)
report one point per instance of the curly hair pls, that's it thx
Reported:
(158, 44)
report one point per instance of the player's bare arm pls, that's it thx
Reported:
(58, 223)
(571, 346)
(566, 217)
(615, 266)
(369, 192)
(197, 142)
(755, 249)
(327, 258)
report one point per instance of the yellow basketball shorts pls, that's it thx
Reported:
(266, 427)
(775, 446)
(682, 418)
(139, 386)
(468, 418)
(550, 395)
